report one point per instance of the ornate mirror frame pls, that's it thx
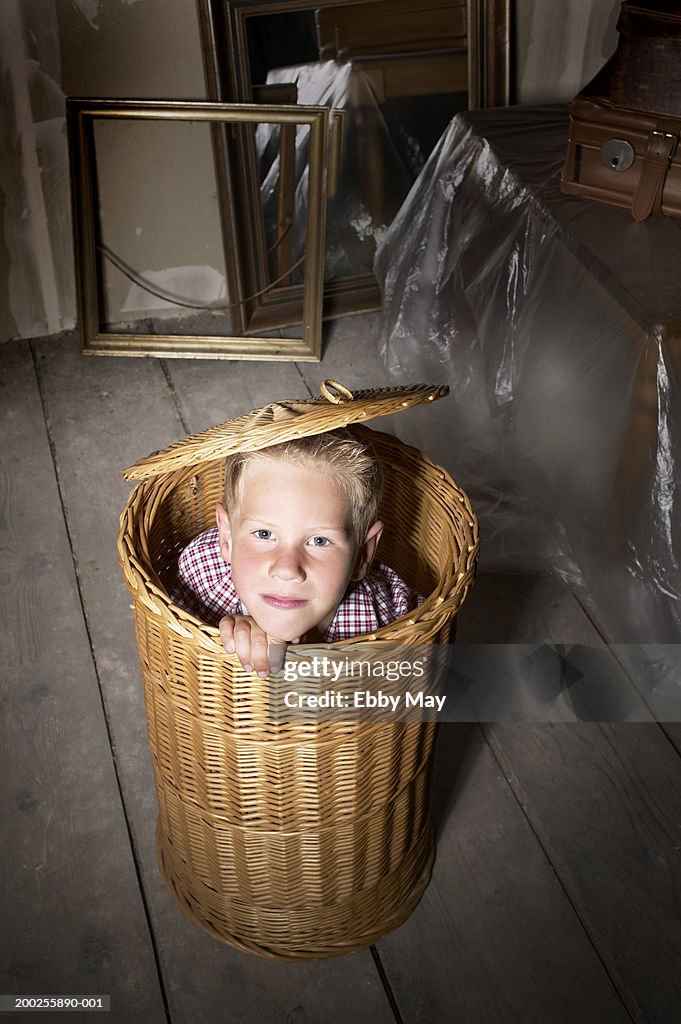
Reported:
(228, 79)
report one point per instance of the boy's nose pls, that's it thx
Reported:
(287, 565)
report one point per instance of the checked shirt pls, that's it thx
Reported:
(205, 589)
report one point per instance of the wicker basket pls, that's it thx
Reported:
(303, 840)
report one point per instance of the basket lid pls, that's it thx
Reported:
(337, 406)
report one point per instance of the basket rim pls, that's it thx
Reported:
(277, 422)
(437, 607)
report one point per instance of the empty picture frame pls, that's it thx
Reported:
(83, 116)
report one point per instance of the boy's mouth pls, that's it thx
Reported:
(283, 603)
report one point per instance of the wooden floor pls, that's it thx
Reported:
(556, 894)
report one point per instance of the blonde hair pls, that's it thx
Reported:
(351, 460)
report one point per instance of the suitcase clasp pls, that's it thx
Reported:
(617, 154)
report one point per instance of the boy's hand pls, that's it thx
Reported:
(257, 652)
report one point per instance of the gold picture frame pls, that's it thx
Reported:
(489, 40)
(81, 117)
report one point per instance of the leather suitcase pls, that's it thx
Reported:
(624, 158)
(626, 124)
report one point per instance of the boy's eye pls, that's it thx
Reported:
(319, 542)
(262, 534)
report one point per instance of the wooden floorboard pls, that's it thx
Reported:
(494, 939)
(349, 355)
(73, 919)
(525, 610)
(104, 414)
(555, 891)
(209, 392)
(605, 802)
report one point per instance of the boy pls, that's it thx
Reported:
(290, 558)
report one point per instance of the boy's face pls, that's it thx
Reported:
(291, 547)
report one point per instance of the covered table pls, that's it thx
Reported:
(556, 323)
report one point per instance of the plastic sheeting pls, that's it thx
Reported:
(383, 147)
(556, 323)
(374, 176)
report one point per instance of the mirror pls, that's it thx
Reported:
(396, 71)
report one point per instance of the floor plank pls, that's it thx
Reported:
(605, 802)
(129, 409)
(602, 799)
(494, 939)
(523, 609)
(557, 873)
(495, 907)
(538, 621)
(349, 354)
(73, 917)
(212, 391)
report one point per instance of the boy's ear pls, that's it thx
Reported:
(224, 532)
(367, 551)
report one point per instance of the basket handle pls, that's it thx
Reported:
(337, 399)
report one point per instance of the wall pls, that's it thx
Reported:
(160, 207)
(560, 45)
(33, 169)
(158, 188)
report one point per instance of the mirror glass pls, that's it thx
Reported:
(395, 71)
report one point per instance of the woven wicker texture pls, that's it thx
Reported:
(282, 421)
(290, 840)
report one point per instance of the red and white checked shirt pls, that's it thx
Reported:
(205, 588)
